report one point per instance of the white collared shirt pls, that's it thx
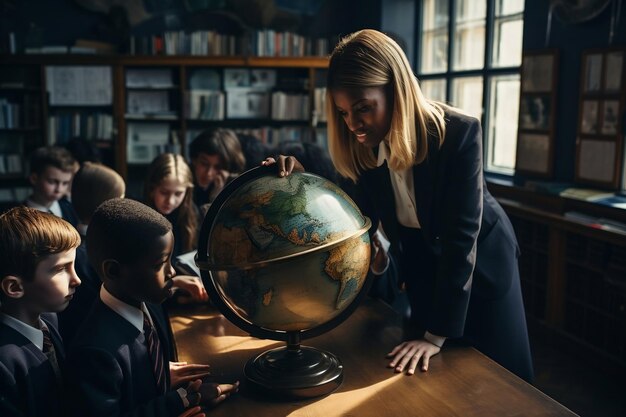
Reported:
(34, 335)
(403, 191)
(131, 314)
(55, 208)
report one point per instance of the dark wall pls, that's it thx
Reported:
(570, 40)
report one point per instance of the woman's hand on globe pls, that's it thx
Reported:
(408, 354)
(285, 164)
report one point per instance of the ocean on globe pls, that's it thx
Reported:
(287, 254)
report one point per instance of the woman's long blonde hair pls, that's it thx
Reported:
(169, 166)
(369, 58)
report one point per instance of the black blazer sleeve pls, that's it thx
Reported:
(98, 383)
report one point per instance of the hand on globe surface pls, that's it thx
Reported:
(408, 354)
(285, 164)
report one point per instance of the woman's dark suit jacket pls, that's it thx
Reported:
(467, 230)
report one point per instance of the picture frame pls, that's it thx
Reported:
(535, 130)
(593, 72)
(614, 69)
(535, 112)
(533, 153)
(610, 117)
(597, 161)
(589, 117)
(599, 144)
(537, 73)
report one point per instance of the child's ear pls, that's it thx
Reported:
(33, 178)
(12, 287)
(111, 269)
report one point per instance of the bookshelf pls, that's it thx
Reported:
(22, 106)
(154, 104)
(573, 273)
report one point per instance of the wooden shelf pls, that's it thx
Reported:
(584, 300)
(181, 67)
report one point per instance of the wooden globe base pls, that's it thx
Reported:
(295, 372)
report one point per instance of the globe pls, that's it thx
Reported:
(286, 258)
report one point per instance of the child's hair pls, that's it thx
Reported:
(121, 229)
(92, 185)
(254, 151)
(313, 157)
(221, 142)
(169, 166)
(54, 156)
(27, 236)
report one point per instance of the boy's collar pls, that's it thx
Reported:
(130, 313)
(55, 207)
(33, 334)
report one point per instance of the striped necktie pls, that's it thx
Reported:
(156, 354)
(48, 350)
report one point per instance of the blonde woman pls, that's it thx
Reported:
(416, 166)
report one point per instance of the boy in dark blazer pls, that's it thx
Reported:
(117, 364)
(37, 279)
(51, 172)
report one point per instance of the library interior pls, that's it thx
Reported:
(123, 82)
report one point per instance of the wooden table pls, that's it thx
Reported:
(460, 382)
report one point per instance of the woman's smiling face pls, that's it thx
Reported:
(367, 112)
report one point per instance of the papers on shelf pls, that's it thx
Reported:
(79, 85)
(585, 194)
(149, 78)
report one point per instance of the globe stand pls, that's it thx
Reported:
(295, 371)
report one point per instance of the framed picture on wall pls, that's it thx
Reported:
(533, 153)
(537, 70)
(596, 161)
(593, 72)
(610, 113)
(613, 73)
(535, 112)
(589, 117)
(535, 129)
(599, 147)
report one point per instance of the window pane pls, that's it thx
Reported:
(508, 7)
(434, 36)
(434, 89)
(507, 45)
(467, 94)
(503, 116)
(469, 34)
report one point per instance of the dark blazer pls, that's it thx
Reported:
(86, 293)
(68, 212)
(109, 371)
(469, 233)
(28, 385)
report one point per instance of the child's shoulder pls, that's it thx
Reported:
(17, 351)
(104, 329)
